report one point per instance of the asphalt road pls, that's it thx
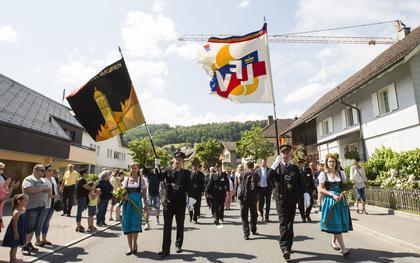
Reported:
(204, 242)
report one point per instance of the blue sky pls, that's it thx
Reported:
(54, 45)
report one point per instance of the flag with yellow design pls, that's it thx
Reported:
(107, 105)
(239, 67)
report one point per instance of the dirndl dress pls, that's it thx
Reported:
(8, 237)
(131, 217)
(335, 217)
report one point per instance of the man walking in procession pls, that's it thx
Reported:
(197, 189)
(177, 183)
(217, 187)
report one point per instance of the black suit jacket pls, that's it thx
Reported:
(287, 183)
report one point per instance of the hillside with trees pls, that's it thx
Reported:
(163, 134)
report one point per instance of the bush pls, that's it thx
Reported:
(92, 177)
(351, 155)
(389, 169)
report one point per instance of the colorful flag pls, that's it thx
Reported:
(239, 67)
(107, 105)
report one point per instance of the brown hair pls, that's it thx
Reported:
(337, 163)
(17, 199)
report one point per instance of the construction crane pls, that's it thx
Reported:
(303, 37)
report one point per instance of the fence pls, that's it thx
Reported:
(407, 200)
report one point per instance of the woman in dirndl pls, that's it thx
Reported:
(132, 207)
(335, 217)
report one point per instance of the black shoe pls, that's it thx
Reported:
(216, 222)
(163, 254)
(255, 233)
(346, 253)
(246, 237)
(68, 215)
(103, 224)
(129, 252)
(63, 214)
(267, 220)
(303, 220)
(286, 255)
(32, 247)
(26, 249)
(134, 251)
(309, 219)
(178, 250)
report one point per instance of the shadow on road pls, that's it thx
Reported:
(71, 255)
(357, 255)
(193, 255)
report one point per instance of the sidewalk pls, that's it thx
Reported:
(398, 229)
(61, 233)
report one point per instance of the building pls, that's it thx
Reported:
(230, 158)
(378, 105)
(36, 129)
(110, 154)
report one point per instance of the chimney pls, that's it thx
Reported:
(402, 30)
(270, 120)
(296, 117)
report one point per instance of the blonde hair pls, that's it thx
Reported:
(327, 169)
(18, 198)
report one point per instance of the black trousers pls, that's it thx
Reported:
(264, 197)
(195, 213)
(286, 212)
(169, 211)
(249, 206)
(218, 207)
(68, 198)
(305, 213)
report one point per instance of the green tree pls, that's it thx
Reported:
(141, 151)
(253, 144)
(209, 152)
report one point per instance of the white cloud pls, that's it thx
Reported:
(149, 74)
(158, 5)
(75, 72)
(8, 34)
(144, 34)
(244, 4)
(187, 51)
(37, 68)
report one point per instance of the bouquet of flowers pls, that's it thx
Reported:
(121, 196)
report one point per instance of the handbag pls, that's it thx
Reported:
(58, 205)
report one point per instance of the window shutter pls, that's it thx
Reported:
(392, 97)
(330, 125)
(343, 117)
(320, 133)
(355, 115)
(375, 104)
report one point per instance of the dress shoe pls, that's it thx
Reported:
(286, 255)
(178, 250)
(163, 254)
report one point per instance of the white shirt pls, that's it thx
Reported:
(358, 176)
(129, 184)
(323, 178)
(263, 179)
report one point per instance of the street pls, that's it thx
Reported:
(204, 242)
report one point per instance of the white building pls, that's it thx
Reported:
(111, 153)
(378, 105)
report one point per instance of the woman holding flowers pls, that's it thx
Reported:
(134, 190)
(335, 218)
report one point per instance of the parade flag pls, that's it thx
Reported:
(107, 104)
(239, 67)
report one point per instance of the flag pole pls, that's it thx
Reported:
(272, 88)
(145, 123)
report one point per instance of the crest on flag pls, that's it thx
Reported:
(239, 67)
(107, 105)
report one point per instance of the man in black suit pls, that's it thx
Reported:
(216, 188)
(287, 184)
(263, 191)
(309, 187)
(197, 189)
(177, 183)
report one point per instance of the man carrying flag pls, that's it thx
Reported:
(107, 104)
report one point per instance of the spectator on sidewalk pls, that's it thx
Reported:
(6, 189)
(68, 188)
(116, 184)
(229, 193)
(239, 170)
(37, 190)
(52, 184)
(92, 203)
(82, 191)
(153, 195)
(106, 194)
(358, 177)
(136, 187)
(16, 231)
(335, 218)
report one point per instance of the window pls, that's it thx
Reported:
(117, 155)
(325, 127)
(97, 150)
(385, 100)
(109, 154)
(349, 117)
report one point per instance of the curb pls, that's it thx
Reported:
(388, 238)
(390, 211)
(71, 243)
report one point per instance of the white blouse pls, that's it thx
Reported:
(130, 184)
(323, 178)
